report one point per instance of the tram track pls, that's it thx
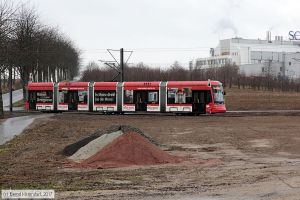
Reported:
(236, 113)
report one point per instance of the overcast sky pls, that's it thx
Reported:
(162, 31)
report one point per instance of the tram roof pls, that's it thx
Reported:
(192, 83)
(141, 85)
(40, 86)
(73, 85)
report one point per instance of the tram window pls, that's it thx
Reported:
(153, 97)
(189, 100)
(128, 96)
(105, 97)
(63, 96)
(82, 97)
(44, 96)
(171, 95)
(179, 96)
(188, 95)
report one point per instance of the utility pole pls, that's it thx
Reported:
(10, 89)
(122, 64)
(118, 66)
(191, 70)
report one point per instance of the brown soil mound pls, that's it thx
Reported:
(128, 150)
(72, 148)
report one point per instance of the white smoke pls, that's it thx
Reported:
(225, 25)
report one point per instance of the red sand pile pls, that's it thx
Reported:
(129, 149)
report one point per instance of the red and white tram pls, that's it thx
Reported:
(40, 96)
(141, 96)
(73, 96)
(105, 96)
(198, 97)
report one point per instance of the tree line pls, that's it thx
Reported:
(228, 74)
(31, 49)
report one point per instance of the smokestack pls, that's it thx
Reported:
(269, 37)
(278, 38)
(212, 52)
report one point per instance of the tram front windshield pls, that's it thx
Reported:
(218, 94)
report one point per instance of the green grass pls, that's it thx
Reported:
(3, 148)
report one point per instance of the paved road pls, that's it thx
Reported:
(17, 96)
(14, 126)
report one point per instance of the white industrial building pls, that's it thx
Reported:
(256, 57)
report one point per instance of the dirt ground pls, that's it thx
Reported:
(249, 157)
(249, 99)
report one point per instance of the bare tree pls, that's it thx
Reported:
(33, 50)
(228, 74)
(26, 28)
(40, 52)
(6, 17)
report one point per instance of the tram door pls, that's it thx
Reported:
(73, 100)
(140, 100)
(199, 104)
(32, 100)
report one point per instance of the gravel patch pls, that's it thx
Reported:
(94, 146)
